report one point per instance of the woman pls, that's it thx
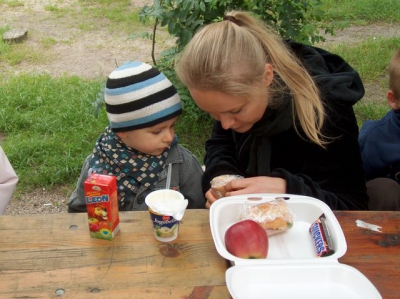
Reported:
(283, 113)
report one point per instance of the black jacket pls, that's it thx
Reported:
(334, 175)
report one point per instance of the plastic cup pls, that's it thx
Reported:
(165, 226)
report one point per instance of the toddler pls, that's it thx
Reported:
(380, 148)
(140, 142)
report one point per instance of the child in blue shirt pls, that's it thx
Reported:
(380, 148)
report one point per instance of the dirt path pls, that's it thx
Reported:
(67, 48)
(94, 54)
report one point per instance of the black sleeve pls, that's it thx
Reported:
(334, 175)
(221, 157)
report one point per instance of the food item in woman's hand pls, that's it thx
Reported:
(274, 216)
(247, 239)
(218, 184)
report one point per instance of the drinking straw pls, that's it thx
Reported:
(169, 176)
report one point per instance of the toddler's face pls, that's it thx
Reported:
(152, 140)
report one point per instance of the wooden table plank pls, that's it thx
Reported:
(375, 254)
(40, 254)
(57, 257)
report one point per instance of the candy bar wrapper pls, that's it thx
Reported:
(321, 237)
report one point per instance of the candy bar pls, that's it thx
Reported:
(321, 237)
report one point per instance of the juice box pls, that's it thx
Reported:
(102, 206)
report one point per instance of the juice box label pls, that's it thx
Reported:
(102, 206)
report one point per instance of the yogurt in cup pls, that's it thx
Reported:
(166, 209)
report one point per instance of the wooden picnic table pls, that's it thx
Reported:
(53, 256)
(375, 254)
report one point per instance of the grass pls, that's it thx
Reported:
(13, 54)
(11, 3)
(370, 57)
(362, 11)
(115, 16)
(53, 129)
(47, 126)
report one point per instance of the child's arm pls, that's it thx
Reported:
(76, 202)
(190, 173)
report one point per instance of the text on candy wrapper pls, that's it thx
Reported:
(96, 199)
(317, 236)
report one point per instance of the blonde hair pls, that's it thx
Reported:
(230, 57)
(394, 74)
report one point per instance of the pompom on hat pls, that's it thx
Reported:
(138, 96)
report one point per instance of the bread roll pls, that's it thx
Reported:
(274, 216)
(218, 184)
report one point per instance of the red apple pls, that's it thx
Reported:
(247, 239)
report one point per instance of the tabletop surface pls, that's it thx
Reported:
(52, 255)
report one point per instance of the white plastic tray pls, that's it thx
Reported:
(336, 281)
(292, 268)
(295, 245)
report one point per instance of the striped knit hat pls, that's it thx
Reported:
(139, 96)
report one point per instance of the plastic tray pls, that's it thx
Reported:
(292, 268)
(336, 281)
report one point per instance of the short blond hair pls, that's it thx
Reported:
(230, 57)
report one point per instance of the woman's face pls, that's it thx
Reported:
(234, 113)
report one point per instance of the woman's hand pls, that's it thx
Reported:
(259, 184)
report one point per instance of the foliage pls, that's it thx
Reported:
(296, 19)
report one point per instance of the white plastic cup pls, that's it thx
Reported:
(165, 226)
